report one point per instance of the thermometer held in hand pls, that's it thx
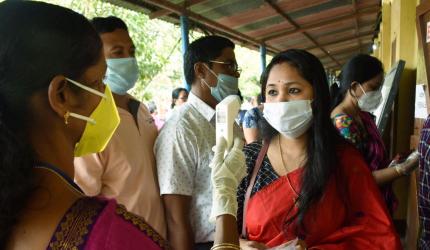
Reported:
(226, 112)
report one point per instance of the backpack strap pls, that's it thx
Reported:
(133, 107)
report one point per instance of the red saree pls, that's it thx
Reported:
(93, 223)
(361, 222)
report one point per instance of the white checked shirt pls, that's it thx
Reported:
(183, 153)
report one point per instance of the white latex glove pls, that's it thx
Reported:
(407, 166)
(251, 245)
(226, 175)
(295, 244)
(411, 163)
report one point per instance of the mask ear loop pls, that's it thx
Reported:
(364, 92)
(78, 116)
(93, 91)
(213, 73)
(203, 80)
(205, 83)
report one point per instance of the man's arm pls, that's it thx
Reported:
(179, 231)
(176, 166)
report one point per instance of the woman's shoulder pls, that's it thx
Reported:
(143, 231)
(342, 119)
(77, 223)
(91, 220)
(347, 127)
(124, 230)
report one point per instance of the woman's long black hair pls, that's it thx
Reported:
(37, 42)
(361, 68)
(323, 137)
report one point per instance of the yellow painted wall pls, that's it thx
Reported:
(421, 70)
(385, 35)
(398, 28)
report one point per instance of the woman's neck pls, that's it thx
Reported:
(349, 106)
(287, 154)
(294, 147)
(55, 148)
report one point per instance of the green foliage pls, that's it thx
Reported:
(154, 39)
(158, 51)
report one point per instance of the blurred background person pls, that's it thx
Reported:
(179, 97)
(251, 120)
(152, 107)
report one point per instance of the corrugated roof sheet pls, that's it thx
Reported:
(333, 30)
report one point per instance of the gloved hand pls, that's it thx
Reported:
(408, 165)
(295, 244)
(226, 175)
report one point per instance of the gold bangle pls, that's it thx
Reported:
(225, 246)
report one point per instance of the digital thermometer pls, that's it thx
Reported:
(226, 113)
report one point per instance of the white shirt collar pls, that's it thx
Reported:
(207, 111)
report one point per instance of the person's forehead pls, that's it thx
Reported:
(117, 37)
(282, 72)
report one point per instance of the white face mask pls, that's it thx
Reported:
(370, 101)
(291, 119)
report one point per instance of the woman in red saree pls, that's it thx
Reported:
(304, 181)
(54, 106)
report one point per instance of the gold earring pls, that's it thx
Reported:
(66, 117)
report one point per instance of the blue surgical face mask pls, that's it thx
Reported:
(226, 85)
(121, 74)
